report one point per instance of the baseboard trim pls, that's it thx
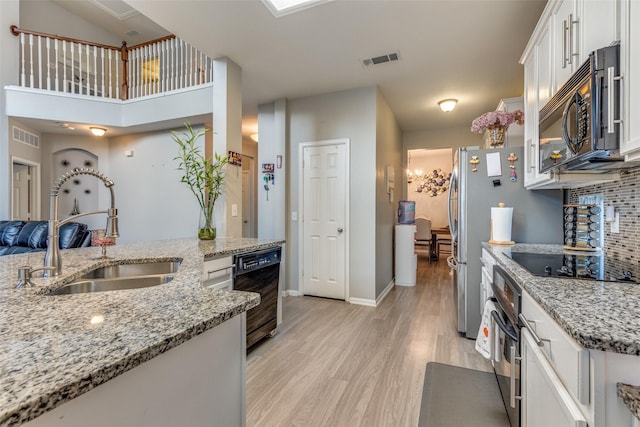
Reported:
(291, 293)
(377, 301)
(385, 292)
(362, 301)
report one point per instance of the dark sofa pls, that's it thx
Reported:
(31, 236)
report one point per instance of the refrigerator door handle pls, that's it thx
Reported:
(452, 187)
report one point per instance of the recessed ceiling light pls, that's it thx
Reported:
(284, 7)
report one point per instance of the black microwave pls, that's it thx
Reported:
(579, 128)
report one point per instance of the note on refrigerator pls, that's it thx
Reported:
(493, 164)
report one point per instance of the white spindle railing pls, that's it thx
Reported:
(66, 65)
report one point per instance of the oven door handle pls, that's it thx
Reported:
(503, 326)
(527, 324)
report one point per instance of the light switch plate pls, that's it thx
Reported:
(615, 225)
(234, 209)
(294, 216)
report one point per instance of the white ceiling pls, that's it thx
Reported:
(467, 50)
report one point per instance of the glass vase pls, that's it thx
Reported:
(206, 225)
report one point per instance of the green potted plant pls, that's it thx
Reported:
(205, 177)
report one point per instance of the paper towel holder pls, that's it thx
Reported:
(498, 242)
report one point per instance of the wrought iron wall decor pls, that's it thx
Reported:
(433, 183)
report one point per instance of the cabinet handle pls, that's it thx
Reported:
(611, 79)
(565, 29)
(571, 54)
(534, 335)
(210, 272)
(532, 155)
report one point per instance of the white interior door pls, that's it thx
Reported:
(21, 205)
(324, 220)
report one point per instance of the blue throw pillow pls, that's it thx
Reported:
(9, 231)
(33, 235)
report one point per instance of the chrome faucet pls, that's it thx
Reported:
(52, 260)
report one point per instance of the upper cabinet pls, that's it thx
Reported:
(630, 66)
(565, 25)
(562, 40)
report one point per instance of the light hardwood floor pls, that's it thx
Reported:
(334, 364)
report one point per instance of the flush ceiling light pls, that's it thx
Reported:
(98, 131)
(254, 136)
(447, 105)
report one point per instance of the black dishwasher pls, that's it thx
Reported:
(259, 272)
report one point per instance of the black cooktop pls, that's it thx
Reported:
(590, 266)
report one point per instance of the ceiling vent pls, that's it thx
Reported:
(25, 137)
(377, 60)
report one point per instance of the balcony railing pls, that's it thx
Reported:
(62, 64)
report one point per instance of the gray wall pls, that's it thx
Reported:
(153, 203)
(9, 14)
(346, 114)
(388, 152)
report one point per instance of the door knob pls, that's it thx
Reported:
(340, 229)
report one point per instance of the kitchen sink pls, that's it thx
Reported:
(129, 270)
(120, 277)
(116, 284)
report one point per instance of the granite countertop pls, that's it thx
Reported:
(630, 395)
(55, 348)
(598, 315)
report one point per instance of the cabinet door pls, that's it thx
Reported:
(565, 32)
(545, 400)
(531, 119)
(598, 26)
(630, 66)
(545, 68)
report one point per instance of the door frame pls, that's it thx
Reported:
(301, 147)
(35, 185)
(253, 179)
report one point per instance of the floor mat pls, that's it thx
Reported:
(454, 396)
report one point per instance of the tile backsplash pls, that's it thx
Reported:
(624, 196)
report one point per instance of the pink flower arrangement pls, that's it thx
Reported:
(497, 118)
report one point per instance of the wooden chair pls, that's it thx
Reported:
(423, 235)
(443, 245)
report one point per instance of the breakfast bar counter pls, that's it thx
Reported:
(56, 348)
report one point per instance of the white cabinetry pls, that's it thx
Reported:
(564, 36)
(564, 384)
(630, 66)
(555, 373)
(545, 400)
(218, 273)
(565, 25)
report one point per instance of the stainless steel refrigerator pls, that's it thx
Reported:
(537, 218)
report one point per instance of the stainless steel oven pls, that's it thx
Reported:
(506, 364)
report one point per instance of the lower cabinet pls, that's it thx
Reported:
(545, 400)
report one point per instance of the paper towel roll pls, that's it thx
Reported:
(501, 225)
